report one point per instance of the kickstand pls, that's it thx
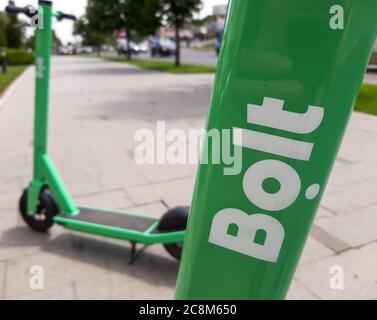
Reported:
(135, 253)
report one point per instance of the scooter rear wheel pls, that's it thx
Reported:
(174, 220)
(47, 208)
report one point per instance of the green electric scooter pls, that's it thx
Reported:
(47, 201)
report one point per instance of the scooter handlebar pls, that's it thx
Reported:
(62, 15)
(28, 10)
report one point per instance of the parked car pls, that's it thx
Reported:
(65, 50)
(122, 49)
(85, 50)
(162, 47)
(143, 47)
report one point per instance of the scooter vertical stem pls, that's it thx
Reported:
(43, 62)
(286, 82)
(45, 174)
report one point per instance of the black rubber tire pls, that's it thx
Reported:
(174, 220)
(47, 209)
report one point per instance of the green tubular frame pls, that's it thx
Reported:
(279, 58)
(44, 172)
(148, 237)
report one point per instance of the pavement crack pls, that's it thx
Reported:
(329, 209)
(328, 239)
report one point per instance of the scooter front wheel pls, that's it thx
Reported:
(47, 208)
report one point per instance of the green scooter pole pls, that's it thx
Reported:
(44, 172)
(288, 76)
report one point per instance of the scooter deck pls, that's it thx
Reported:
(114, 219)
(118, 225)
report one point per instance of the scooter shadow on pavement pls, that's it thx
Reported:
(21, 236)
(154, 105)
(150, 266)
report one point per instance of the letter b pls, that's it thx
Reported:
(244, 239)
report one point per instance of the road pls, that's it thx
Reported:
(190, 56)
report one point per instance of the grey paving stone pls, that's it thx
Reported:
(359, 139)
(2, 279)
(160, 173)
(155, 209)
(323, 213)
(118, 286)
(350, 198)
(173, 192)
(360, 277)
(328, 239)
(298, 292)
(60, 292)
(356, 229)
(314, 250)
(98, 289)
(152, 276)
(9, 220)
(111, 199)
(60, 267)
(19, 241)
(364, 122)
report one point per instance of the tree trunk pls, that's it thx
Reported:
(178, 45)
(129, 52)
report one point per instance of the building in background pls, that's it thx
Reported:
(220, 11)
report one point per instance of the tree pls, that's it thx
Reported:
(96, 26)
(30, 42)
(4, 21)
(103, 18)
(130, 11)
(177, 13)
(56, 42)
(139, 17)
(90, 36)
(14, 32)
(149, 20)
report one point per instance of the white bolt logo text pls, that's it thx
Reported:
(272, 115)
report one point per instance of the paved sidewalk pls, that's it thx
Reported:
(96, 107)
